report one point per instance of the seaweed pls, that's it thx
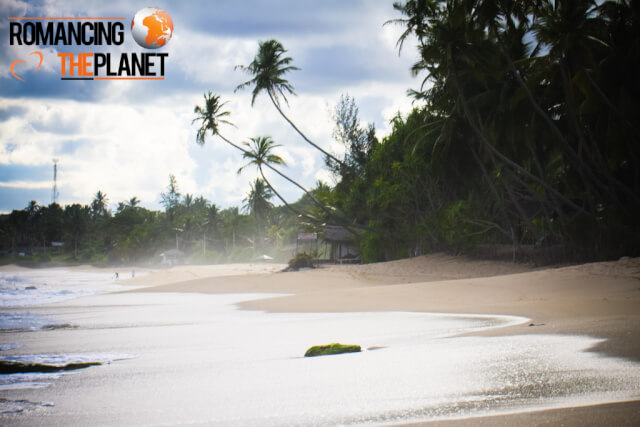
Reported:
(335, 348)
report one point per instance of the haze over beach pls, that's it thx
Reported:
(329, 213)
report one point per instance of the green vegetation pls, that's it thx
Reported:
(524, 140)
(301, 260)
(92, 234)
(527, 134)
(335, 348)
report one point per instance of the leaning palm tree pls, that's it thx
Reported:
(268, 69)
(210, 117)
(259, 153)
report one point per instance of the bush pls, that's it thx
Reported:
(301, 260)
(335, 348)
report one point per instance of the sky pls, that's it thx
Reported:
(125, 137)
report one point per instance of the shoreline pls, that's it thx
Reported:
(623, 413)
(600, 300)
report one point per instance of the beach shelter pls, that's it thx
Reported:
(342, 245)
(264, 257)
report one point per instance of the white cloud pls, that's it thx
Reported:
(209, 59)
(31, 185)
(127, 143)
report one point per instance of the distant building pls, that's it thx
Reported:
(342, 247)
(172, 257)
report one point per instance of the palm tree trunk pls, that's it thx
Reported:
(584, 172)
(293, 182)
(316, 201)
(307, 192)
(282, 198)
(231, 143)
(299, 132)
(499, 155)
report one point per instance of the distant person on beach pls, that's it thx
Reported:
(117, 276)
(133, 273)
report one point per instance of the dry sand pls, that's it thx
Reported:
(599, 299)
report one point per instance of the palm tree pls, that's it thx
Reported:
(259, 153)
(211, 116)
(99, 205)
(257, 202)
(268, 69)
(133, 202)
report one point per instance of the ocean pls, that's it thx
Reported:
(195, 359)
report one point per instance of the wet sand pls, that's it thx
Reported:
(600, 300)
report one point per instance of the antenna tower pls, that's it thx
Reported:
(54, 193)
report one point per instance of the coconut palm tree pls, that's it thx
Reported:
(99, 205)
(257, 204)
(257, 201)
(268, 69)
(210, 117)
(259, 151)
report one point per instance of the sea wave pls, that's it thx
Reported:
(33, 288)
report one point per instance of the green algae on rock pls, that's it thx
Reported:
(335, 348)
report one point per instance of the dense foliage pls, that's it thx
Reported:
(527, 133)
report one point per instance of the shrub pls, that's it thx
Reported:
(301, 260)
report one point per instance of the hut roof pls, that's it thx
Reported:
(337, 233)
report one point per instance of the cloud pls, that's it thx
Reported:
(125, 137)
(30, 185)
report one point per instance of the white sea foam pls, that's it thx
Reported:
(15, 407)
(67, 359)
(37, 287)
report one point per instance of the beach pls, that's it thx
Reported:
(583, 321)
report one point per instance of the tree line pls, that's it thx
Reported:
(524, 139)
(199, 229)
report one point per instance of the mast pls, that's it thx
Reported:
(54, 192)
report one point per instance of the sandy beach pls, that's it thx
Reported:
(598, 300)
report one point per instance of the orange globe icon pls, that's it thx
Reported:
(151, 27)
